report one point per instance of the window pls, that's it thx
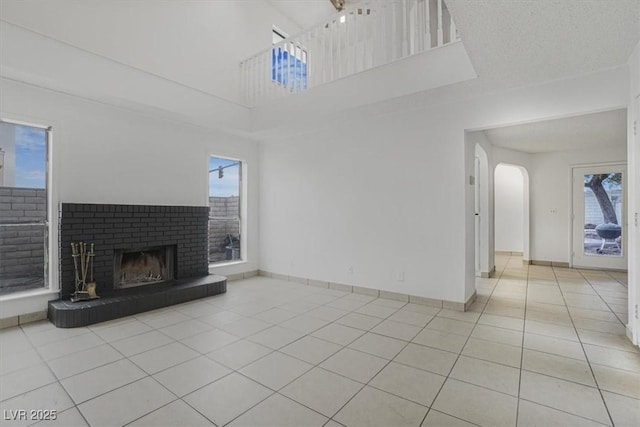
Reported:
(288, 62)
(225, 183)
(23, 207)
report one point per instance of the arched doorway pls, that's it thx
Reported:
(511, 210)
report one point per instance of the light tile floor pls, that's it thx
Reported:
(541, 346)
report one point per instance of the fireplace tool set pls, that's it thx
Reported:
(83, 264)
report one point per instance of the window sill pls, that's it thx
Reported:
(227, 264)
(28, 294)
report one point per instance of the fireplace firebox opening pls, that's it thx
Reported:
(146, 266)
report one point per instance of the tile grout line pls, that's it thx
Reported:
(335, 321)
(461, 350)
(524, 331)
(55, 376)
(603, 300)
(380, 370)
(232, 370)
(583, 350)
(331, 418)
(396, 310)
(89, 330)
(296, 340)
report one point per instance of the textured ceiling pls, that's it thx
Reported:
(305, 13)
(521, 42)
(597, 130)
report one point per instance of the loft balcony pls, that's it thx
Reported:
(361, 37)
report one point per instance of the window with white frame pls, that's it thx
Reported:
(24, 227)
(225, 198)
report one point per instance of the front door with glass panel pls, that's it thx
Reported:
(599, 217)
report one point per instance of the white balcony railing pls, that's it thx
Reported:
(365, 35)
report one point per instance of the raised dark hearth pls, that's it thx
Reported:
(176, 235)
(67, 314)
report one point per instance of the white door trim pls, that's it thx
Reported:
(576, 259)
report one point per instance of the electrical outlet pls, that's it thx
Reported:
(400, 276)
(350, 269)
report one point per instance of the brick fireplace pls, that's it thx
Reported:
(168, 239)
(128, 228)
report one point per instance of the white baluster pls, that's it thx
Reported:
(413, 32)
(242, 86)
(292, 66)
(379, 34)
(384, 41)
(362, 37)
(271, 86)
(340, 57)
(420, 25)
(298, 67)
(403, 30)
(440, 28)
(261, 79)
(298, 54)
(249, 80)
(256, 71)
(331, 72)
(320, 60)
(266, 76)
(427, 23)
(312, 56)
(254, 81)
(368, 39)
(347, 54)
(393, 39)
(453, 33)
(355, 48)
(287, 68)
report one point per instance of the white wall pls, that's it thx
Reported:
(104, 154)
(633, 150)
(550, 175)
(8, 163)
(220, 34)
(30, 57)
(509, 209)
(362, 195)
(389, 193)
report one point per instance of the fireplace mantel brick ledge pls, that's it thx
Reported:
(131, 227)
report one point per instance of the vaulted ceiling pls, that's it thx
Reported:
(196, 45)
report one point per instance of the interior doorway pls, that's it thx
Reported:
(483, 214)
(511, 210)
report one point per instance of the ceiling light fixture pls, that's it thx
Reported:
(338, 4)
